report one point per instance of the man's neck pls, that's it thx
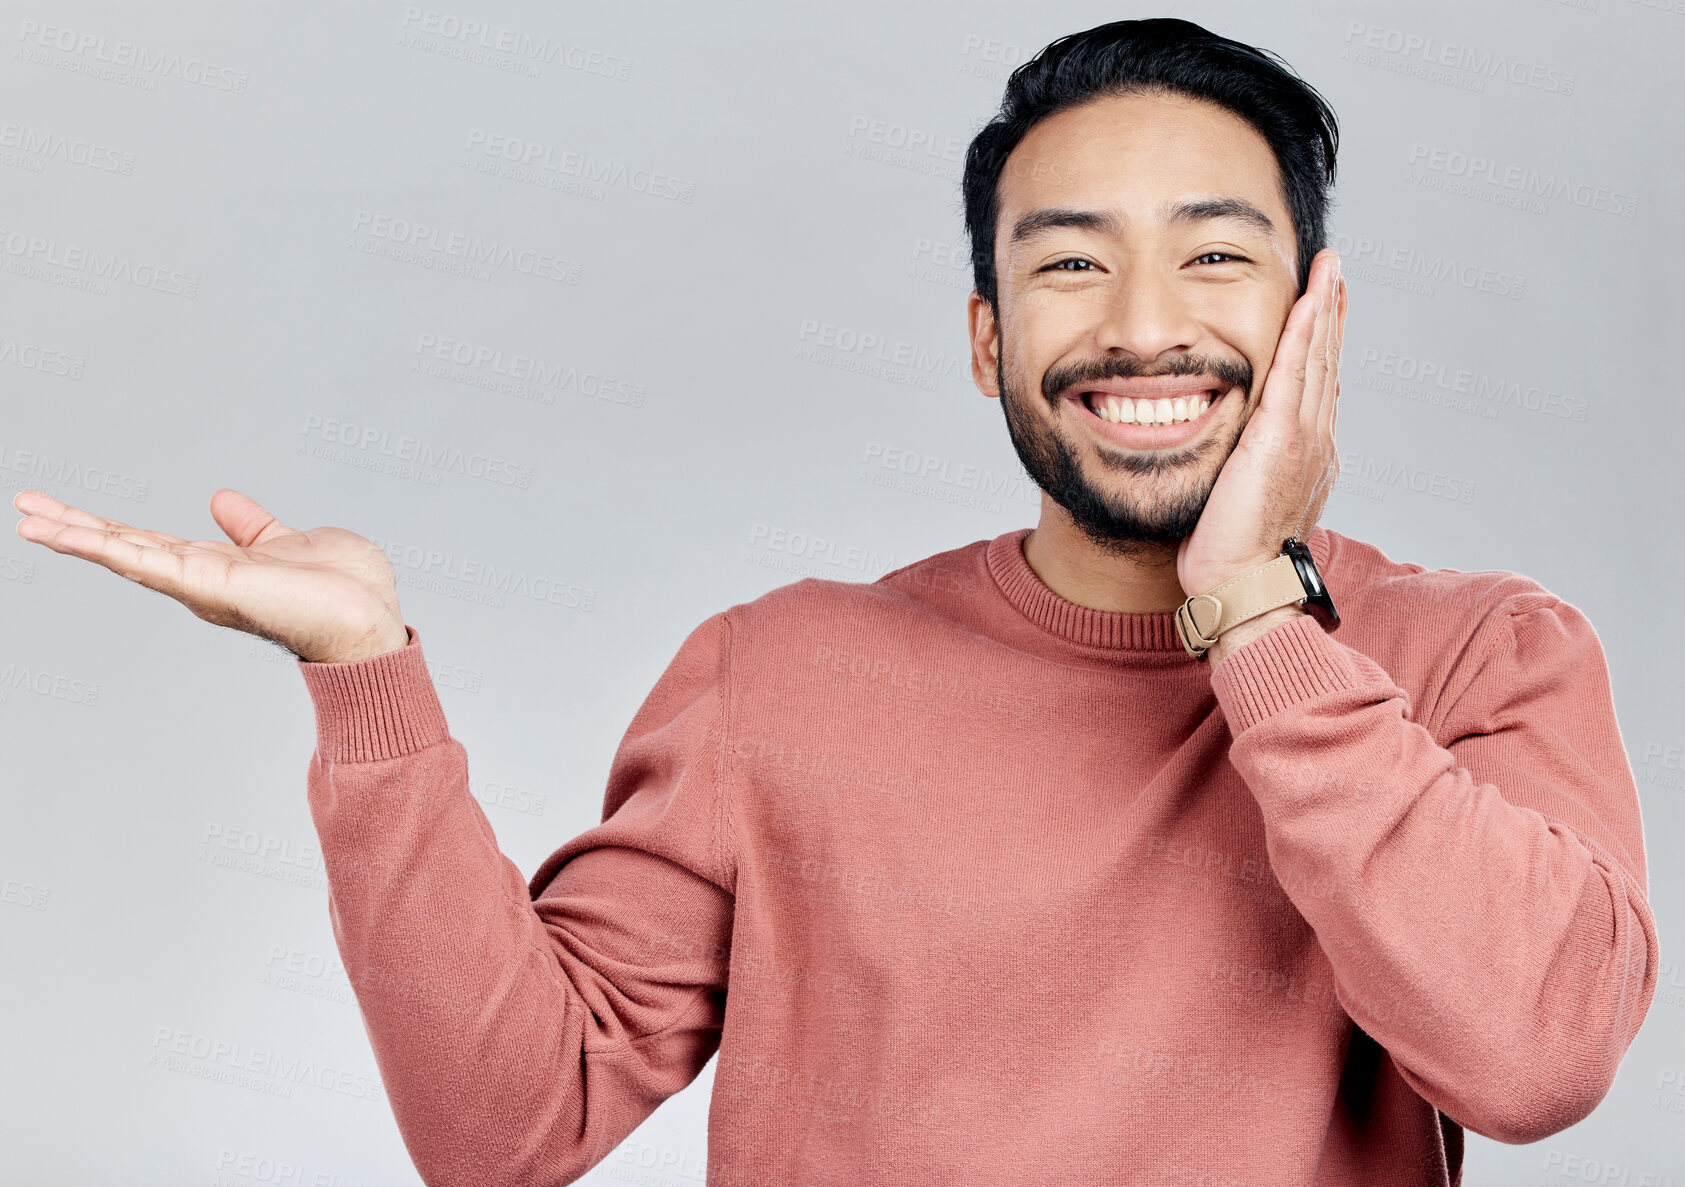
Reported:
(1078, 570)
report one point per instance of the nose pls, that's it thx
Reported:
(1144, 314)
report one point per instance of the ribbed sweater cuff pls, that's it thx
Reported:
(381, 707)
(1283, 666)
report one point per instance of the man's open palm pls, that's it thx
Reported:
(327, 595)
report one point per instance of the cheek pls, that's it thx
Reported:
(1240, 320)
(1044, 317)
(1036, 333)
(1245, 325)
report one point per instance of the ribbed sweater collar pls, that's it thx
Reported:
(1108, 629)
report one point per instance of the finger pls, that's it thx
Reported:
(1321, 378)
(44, 505)
(244, 519)
(1316, 399)
(1287, 368)
(1320, 492)
(128, 554)
(37, 502)
(1318, 497)
(1316, 355)
(1340, 346)
(1331, 386)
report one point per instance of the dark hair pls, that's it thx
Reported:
(1161, 54)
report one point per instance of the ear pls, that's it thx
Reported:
(985, 345)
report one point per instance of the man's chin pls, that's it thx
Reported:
(1139, 518)
(1127, 501)
(1133, 535)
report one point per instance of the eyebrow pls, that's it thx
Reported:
(1047, 218)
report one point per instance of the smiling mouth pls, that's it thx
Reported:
(1151, 410)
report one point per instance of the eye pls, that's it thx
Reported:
(1059, 265)
(1221, 255)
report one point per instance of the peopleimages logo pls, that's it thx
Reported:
(1525, 182)
(94, 47)
(877, 355)
(1425, 51)
(43, 468)
(961, 483)
(425, 452)
(471, 579)
(264, 1068)
(1492, 391)
(1420, 269)
(815, 550)
(467, 34)
(461, 248)
(1366, 475)
(522, 375)
(39, 358)
(24, 894)
(533, 158)
(72, 150)
(989, 58)
(31, 255)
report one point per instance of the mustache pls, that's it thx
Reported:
(1236, 372)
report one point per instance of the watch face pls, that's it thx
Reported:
(1317, 597)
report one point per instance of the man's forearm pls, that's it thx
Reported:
(1483, 944)
(502, 1018)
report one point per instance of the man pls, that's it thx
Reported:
(1103, 851)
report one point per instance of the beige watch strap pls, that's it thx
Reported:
(1203, 617)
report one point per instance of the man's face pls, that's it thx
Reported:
(1131, 261)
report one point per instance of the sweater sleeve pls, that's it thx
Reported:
(524, 1028)
(1483, 903)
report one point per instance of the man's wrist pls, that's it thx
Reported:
(1242, 633)
(391, 639)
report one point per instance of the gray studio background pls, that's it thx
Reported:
(751, 333)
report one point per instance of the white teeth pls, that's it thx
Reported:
(1123, 410)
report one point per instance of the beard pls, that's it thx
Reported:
(1162, 503)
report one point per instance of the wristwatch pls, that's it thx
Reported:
(1290, 577)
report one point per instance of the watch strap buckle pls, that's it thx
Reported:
(1196, 623)
(1203, 617)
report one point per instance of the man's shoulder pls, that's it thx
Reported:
(1413, 618)
(1437, 631)
(1362, 570)
(906, 589)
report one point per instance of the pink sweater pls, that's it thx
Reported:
(1012, 891)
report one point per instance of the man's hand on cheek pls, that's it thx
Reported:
(1283, 469)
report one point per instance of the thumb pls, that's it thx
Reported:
(244, 520)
